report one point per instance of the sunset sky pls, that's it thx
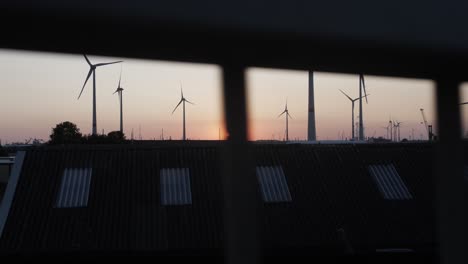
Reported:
(40, 90)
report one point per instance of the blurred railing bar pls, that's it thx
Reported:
(450, 184)
(240, 187)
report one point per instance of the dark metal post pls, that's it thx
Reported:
(183, 121)
(361, 124)
(121, 112)
(352, 119)
(240, 186)
(94, 104)
(450, 184)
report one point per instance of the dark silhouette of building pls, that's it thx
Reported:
(316, 200)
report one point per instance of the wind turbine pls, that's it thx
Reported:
(390, 124)
(182, 100)
(119, 92)
(362, 86)
(287, 117)
(352, 111)
(395, 130)
(92, 70)
(398, 127)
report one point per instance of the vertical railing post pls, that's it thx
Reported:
(240, 186)
(450, 185)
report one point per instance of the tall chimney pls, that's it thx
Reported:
(311, 136)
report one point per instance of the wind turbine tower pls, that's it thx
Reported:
(92, 70)
(390, 124)
(395, 131)
(287, 117)
(119, 92)
(352, 112)
(398, 129)
(362, 86)
(311, 135)
(182, 101)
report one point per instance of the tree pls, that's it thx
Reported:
(65, 133)
(116, 136)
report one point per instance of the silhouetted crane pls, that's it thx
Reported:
(430, 135)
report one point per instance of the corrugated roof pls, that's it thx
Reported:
(330, 185)
(389, 182)
(175, 186)
(273, 185)
(74, 189)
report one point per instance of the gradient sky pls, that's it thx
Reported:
(40, 90)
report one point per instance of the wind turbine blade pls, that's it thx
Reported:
(363, 86)
(361, 97)
(345, 94)
(181, 92)
(87, 60)
(290, 115)
(188, 101)
(115, 91)
(282, 113)
(177, 105)
(87, 78)
(120, 77)
(107, 63)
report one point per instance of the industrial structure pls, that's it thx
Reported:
(430, 134)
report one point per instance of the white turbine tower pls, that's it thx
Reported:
(287, 116)
(92, 70)
(119, 92)
(390, 124)
(362, 86)
(397, 126)
(182, 101)
(352, 111)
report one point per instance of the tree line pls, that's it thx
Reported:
(69, 133)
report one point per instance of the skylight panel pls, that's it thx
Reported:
(389, 182)
(74, 189)
(175, 186)
(273, 185)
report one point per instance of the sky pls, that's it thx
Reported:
(40, 90)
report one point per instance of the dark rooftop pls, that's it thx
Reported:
(336, 201)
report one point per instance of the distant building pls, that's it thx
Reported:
(314, 199)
